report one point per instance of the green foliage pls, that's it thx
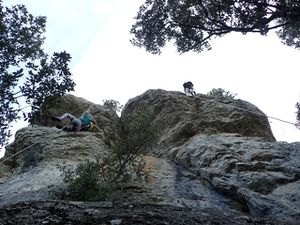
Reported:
(27, 75)
(93, 181)
(113, 105)
(138, 130)
(191, 24)
(87, 182)
(220, 93)
(48, 83)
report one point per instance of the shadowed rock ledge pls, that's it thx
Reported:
(53, 212)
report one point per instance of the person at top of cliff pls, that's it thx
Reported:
(189, 88)
(82, 123)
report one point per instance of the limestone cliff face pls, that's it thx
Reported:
(211, 154)
(181, 117)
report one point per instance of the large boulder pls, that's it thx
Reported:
(180, 117)
(35, 158)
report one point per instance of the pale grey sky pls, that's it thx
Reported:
(105, 65)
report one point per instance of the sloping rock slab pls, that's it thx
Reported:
(264, 176)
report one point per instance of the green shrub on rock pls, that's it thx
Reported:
(220, 93)
(86, 183)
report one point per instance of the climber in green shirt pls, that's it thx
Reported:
(83, 123)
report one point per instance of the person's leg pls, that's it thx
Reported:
(193, 92)
(186, 91)
(66, 116)
(74, 126)
(75, 122)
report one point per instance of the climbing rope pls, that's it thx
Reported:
(14, 155)
(283, 121)
(271, 117)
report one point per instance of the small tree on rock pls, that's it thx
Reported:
(113, 105)
(220, 93)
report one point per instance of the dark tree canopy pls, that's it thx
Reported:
(192, 23)
(27, 74)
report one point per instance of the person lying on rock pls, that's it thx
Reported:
(189, 88)
(83, 123)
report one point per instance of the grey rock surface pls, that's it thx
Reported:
(263, 176)
(79, 213)
(214, 159)
(36, 170)
(180, 117)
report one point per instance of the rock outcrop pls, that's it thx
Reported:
(36, 170)
(214, 159)
(106, 120)
(262, 176)
(180, 117)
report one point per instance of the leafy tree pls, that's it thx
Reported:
(192, 23)
(113, 105)
(27, 74)
(220, 93)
